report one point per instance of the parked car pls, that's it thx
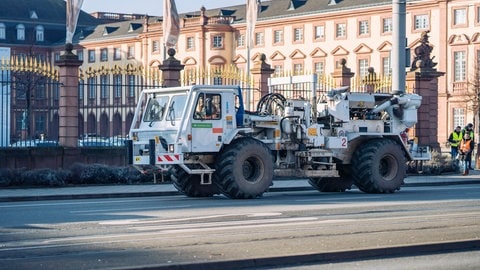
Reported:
(117, 140)
(93, 140)
(34, 143)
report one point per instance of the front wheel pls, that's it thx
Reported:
(190, 184)
(244, 169)
(330, 184)
(379, 166)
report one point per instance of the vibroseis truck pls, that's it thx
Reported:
(208, 142)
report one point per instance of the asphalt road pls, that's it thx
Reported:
(218, 233)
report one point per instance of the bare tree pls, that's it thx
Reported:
(473, 99)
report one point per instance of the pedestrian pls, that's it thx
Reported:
(469, 130)
(454, 140)
(465, 150)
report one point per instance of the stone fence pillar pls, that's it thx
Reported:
(171, 68)
(424, 82)
(261, 71)
(343, 74)
(68, 102)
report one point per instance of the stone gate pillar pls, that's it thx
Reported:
(171, 68)
(422, 79)
(424, 82)
(68, 102)
(261, 71)
(343, 75)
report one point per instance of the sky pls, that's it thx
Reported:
(153, 7)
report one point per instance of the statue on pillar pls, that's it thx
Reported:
(422, 58)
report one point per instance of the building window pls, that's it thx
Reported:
(459, 68)
(387, 25)
(298, 69)
(3, 33)
(92, 93)
(117, 54)
(241, 40)
(340, 30)
(104, 55)
(20, 32)
(278, 70)
(363, 67)
(386, 66)
(40, 91)
(460, 16)
(155, 46)
(104, 86)
(421, 22)
(91, 56)
(39, 123)
(319, 68)
(363, 28)
(190, 43)
(298, 34)
(259, 39)
(278, 36)
(217, 42)
(56, 56)
(39, 33)
(478, 15)
(80, 54)
(131, 52)
(117, 85)
(319, 32)
(81, 89)
(458, 117)
(131, 86)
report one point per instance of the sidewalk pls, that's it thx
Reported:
(111, 191)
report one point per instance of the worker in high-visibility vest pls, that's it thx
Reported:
(465, 148)
(454, 140)
(469, 130)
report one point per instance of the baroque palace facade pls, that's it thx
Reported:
(297, 37)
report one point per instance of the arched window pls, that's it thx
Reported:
(20, 32)
(39, 33)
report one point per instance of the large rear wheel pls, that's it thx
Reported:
(333, 184)
(190, 184)
(244, 169)
(379, 166)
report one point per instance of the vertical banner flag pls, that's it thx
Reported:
(171, 23)
(73, 11)
(252, 13)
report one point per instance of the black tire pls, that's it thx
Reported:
(244, 169)
(333, 184)
(379, 166)
(189, 184)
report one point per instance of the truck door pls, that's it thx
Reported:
(207, 124)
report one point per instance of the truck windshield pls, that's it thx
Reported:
(155, 109)
(176, 107)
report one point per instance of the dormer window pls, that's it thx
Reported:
(134, 26)
(39, 33)
(294, 4)
(20, 32)
(33, 15)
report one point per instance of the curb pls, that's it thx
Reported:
(323, 258)
(174, 193)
